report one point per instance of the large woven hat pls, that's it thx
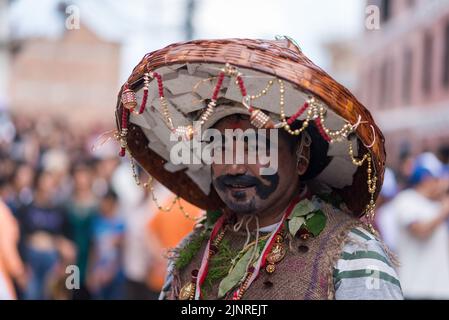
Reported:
(274, 83)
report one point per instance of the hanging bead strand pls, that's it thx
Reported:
(164, 103)
(146, 83)
(124, 132)
(297, 114)
(321, 129)
(285, 122)
(213, 102)
(263, 92)
(258, 118)
(371, 182)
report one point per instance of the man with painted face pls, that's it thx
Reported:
(246, 191)
(291, 232)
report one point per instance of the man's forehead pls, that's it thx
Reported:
(233, 122)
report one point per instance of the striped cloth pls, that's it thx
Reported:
(364, 271)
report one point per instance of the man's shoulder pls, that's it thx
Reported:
(365, 269)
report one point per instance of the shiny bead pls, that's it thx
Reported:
(305, 236)
(270, 268)
(279, 238)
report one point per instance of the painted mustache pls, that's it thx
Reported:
(246, 181)
(242, 181)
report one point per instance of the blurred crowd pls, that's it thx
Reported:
(74, 224)
(413, 220)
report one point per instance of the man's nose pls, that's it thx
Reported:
(235, 169)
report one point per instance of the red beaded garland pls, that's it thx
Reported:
(218, 86)
(144, 100)
(241, 86)
(297, 114)
(323, 133)
(159, 84)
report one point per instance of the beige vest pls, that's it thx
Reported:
(306, 272)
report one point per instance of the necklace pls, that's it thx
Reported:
(273, 252)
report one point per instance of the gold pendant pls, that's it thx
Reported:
(187, 292)
(277, 253)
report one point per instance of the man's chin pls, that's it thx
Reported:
(247, 206)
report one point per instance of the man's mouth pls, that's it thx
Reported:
(238, 186)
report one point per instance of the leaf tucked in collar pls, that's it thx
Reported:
(294, 224)
(316, 223)
(303, 208)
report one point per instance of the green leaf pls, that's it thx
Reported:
(212, 217)
(187, 253)
(236, 274)
(316, 223)
(295, 224)
(332, 198)
(303, 208)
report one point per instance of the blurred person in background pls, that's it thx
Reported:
(105, 167)
(105, 278)
(385, 217)
(12, 268)
(423, 237)
(21, 187)
(443, 155)
(141, 249)
(406, 160)
(167, 229)
(45, 234)
(7, 167)
(81, 209)
(56, 161)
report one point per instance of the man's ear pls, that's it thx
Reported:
(303, 160)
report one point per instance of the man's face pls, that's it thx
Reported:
(242, 187)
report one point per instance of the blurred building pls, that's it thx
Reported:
(77, 72)
(74, 74)
(404, 73)
(344, 61)
(4, 51)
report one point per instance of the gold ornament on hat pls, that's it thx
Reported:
(129, 100)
